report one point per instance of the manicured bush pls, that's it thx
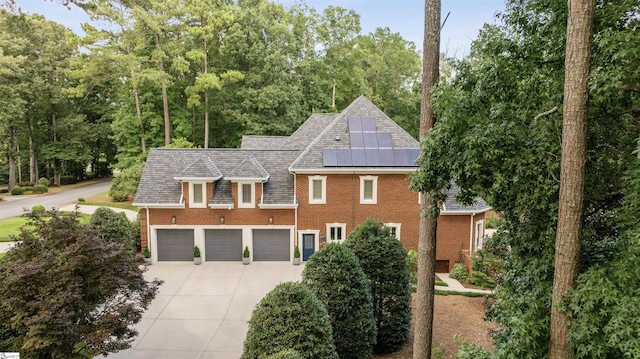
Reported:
(27, 189)
(334, 275)
(81, 199)
(481, 279)
(113, 226)
(4, 190)
(43, 181)
(126, 183)
(16, 191)
(384, 261)
(37, 209)
(25, 184)
(286, 354)
(459, 272)
(42, 189)
(196, 252)
(118, 196)
(290, 317)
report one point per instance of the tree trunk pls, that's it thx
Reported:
(572, 169)
(428, 223)
(11, 158)
(206, 101)
(56, 162)
(333, 95)
(33, 163)
(165, 102)
(139, 113)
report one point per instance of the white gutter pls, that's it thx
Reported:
(159, 205)
(355, 170)
(466, 213)
(221, 206)
(197, 179)
(278, 206)
(247, 179)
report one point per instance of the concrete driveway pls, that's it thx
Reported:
(201, 311)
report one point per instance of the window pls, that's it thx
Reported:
(197, 191)
(394, 228)
(317, 189)
(368, 189)
(336, 232)
(246, 198)
(479, 234)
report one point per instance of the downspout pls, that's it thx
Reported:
(353, 201)
(295, 216)
(149, 231)
(471, 249)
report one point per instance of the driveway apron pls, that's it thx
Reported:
(201, 311)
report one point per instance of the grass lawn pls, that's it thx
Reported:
(11, 226)
(103, 200)
(2, 255)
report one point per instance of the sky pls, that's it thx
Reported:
(466, 17)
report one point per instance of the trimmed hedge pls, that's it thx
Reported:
(335, 276)
(290, 317)
(114, 226)
(384, 261)
(37, 209)
(43, 181)
(40, 188)
(16, 191)
(286, 354)
(459, 272)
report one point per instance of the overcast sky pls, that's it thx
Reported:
(466, 17)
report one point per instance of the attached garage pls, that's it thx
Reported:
(271, 244)
(175, 244)
(223, 244)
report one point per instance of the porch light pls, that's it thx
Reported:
(270, 219)
(173, 219)
(221, 219)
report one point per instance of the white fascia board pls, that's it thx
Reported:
(278, 206)
(159, 205)
(197, 179)
(247, 179)
(358, 170)
(221, 206)
(464, 213)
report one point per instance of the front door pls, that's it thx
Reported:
(308, 245)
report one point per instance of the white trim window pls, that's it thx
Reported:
(395, 229)
(246, 195)
(336, 232)
(368, 189)
(197, 194)
(317, 189)
(479, 234)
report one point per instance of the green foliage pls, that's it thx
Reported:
(17, 191)
(146, 253)
(126, 183)
(25, 184)
(196, 252)
(412, 261)
(290, 317)
(296, 252)
(81, 199)
(37, 209)
(180, 142)
(135, 231)
(245, 253)
(481, 279)
(43, 181)
(67, 180)
(42, 189)
(286, 354)
(114, 226)
(470, 350)
(336, 278)
(384, 261)
(492, 220)
(459, 272)
(64, 272)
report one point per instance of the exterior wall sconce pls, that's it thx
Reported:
(173, 219)
(270, 219)
(221, 219)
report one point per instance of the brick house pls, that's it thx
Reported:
(309, 188)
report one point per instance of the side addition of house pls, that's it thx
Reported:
(306, 189)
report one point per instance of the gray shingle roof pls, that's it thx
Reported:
(202, 167)
(308, 131)
(452, 205)
(311, 158)
(249, 168)
(252, 142)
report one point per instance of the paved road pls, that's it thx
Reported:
(13, 207)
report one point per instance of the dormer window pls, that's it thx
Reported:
(246, 197)
(197, 194)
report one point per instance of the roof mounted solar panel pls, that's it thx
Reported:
(370, 140)
(355, 124)
(329, 157)
(414, 153)
(386, 157)
(373, 157)
(344, 156)
(357, 139)
(368, 124)
(384, 140)
(401, 157)
(358, 157)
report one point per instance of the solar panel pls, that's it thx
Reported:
(401, 157)
(344, 156)
(386, 157)
(329, 157)
(373, 157)
(370, 140)
(358, 157)
(384, 140)
(368, 124)
(355, 124)
(357, 139)
(414, 153)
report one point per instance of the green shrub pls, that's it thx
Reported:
(42, 189)
(25, 184)
(245, 253)
(43, 181)
(481, 279)
(492, 220)
(4, 190)
(470, 350)
(384, 261)
(37, 209)
(16, 191)
(296, 252)
(146, 253)
(126, 183)
(412, 261)
(113, 226)
(81, 199)
(135, 230)
(290, 317)
(66, 180)
(459, 272)
(27, 189)
(286, 354)
(196, 252)
(336, 278)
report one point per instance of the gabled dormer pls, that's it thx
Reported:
(195, 179)
(244, 178)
